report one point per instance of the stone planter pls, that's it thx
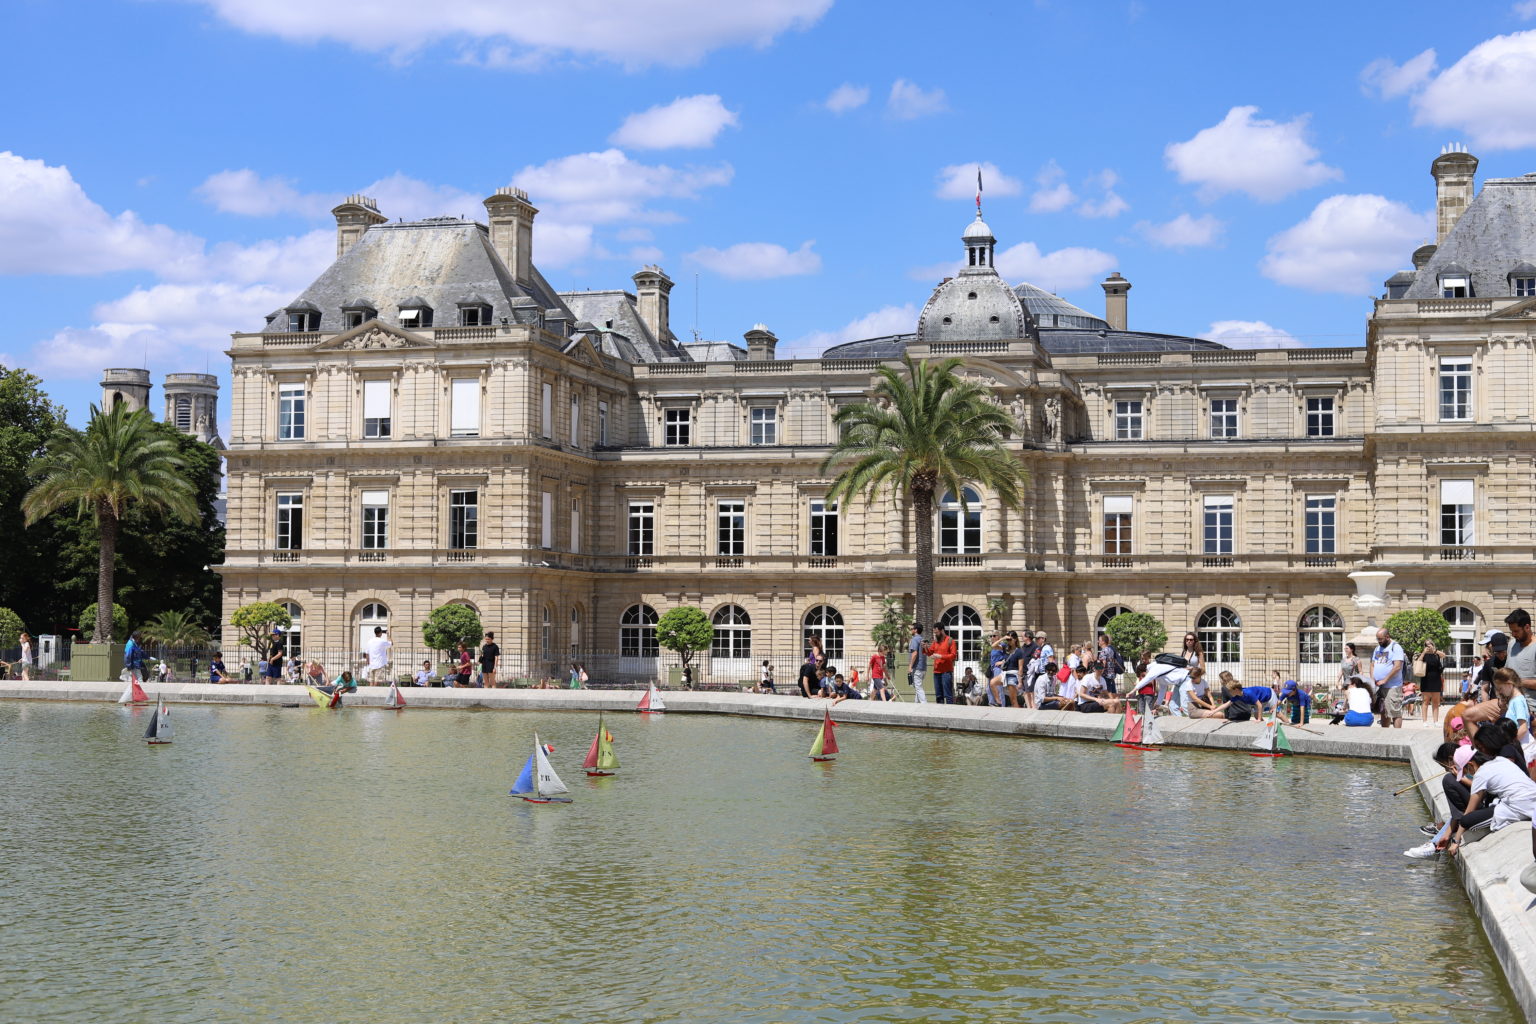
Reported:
(95, 663)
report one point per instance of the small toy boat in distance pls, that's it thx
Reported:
(395, 699)
(601, 760)
(825, 747)
(537, 783)
(652, 703)
(133, 693)
(1272, 741)
(159, 730)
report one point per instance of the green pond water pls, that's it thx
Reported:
(302, 865)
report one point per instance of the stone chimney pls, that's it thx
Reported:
(1116, 300)
(511, 218)
(652, 288)
(353, 217)
(125, 386)
(760, 343)
(1453, 172)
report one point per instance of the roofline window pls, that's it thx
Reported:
(474, 315)
(303, 320)
(415, 316)
(1455, 286)
(356, 316)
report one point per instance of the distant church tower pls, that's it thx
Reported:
(125, 386)
(192, 405)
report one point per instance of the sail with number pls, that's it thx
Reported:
(159, 730)
(652, 702)
(537, 783)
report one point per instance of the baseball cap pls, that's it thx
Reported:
(1494, 638)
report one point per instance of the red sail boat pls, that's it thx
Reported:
(825, 747)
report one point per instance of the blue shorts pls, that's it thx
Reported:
(1359, 718)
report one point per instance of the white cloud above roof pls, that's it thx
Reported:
(688, 122)
(1385, 79)
(1059, 270)
(752, 261)
(846, 97)
(1183, 231)
(1267, 160)
(1250, 334)
(883, 321)
(1486, 94)
(1348, 244)
(958, 181)
(909, 101)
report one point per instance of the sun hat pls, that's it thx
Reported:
(1460, 758)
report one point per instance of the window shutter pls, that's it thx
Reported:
(376, 399)
(1118, 504)
(1456, 492)
(466, 406)
(547, 526)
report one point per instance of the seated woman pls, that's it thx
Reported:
(1194, 702)
(1358, 704)
(1456, 784)
(1499, 780)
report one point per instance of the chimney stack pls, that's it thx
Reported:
(1116, 300)
(353, 217)
(760, 344)
(511, 217)
(1453, 171)
(652, 288)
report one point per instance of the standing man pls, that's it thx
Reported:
(1109, 658)
(1522, 652)
(917, 663)
(378, 656)
(490, 654)
(944, 653)
(1387, 670)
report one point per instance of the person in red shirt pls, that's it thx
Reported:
(878, 688)
(943, 652)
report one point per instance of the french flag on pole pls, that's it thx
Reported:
(978, 191)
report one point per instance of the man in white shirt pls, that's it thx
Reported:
(378, 657)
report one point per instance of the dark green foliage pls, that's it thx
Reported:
(1410, 628)
(1131, 633)
(686, 630)
(451, 625)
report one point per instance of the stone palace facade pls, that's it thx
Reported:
(432, 422)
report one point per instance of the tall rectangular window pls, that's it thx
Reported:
(1117, 523)
(290, 412)
(1456, 505)
(642, 528)
(960, 526)
(575, 421)
(575, 524)
(375, 520)
(290, 521)
(547, 519)
(1218, 524)
(731, 528)
(678, 427)
(1321, 519)
(1223, 417)
(375, 408)
(765, 425)
(1456, 389)
(463, 519)
(602, 423)
(1320, 417)
(1127, 421)
(464, 414)
(547, 411)
(823, 528)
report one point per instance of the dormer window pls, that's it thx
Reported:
(303, 317)
(474, 316)
(415, 313)
(1455, 282)
(1522, 280)
(358, 312)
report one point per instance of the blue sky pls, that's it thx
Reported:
(1256, 171)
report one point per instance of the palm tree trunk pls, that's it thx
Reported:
(922, 514)
(104, 573)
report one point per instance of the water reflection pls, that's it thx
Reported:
(305, 865)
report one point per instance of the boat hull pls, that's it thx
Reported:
(1264, 753)
(823, 759)
(1136, 746)
(545, 799)
(598, 775)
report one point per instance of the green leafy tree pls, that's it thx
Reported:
(890, 633)
(1131, 633)
(30, 566)
(926, 428)
(117, 462)
(255, 623)
(10, 628)
(1412, 627)
(685, 630)
(451, 625)
(175, 629)
(119, 620)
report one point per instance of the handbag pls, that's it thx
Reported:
(1064, 674)
(1172, 659)
(1418, 666)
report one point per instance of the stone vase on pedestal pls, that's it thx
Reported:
(1371, 599)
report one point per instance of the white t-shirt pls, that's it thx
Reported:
(1513, 787)
(1360, 699)
(1182, 694)
(1381, 664)
(378, 652)
(1068, 689)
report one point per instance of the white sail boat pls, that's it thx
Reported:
(394, 700)
(159, 730)
(1151, 735)
(651, 703)
(538, 783)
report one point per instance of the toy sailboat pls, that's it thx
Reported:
(1137, 732)
(133, 693)
(651, 703)
(394, 700)
(1151, 735)
(1272, 741)
(323, 699)
(601, 760)
(825, 747)
(159, 730)
(538, 783)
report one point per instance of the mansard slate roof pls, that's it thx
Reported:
(621, 332)
(1497, 231)
(437, 262)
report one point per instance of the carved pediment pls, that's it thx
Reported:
(1525, 310)
(375, 334)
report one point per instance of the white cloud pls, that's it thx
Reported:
(1110, 204)
(529, 32)
(1250, 334)
(846, 97)
(1053, 193)
(883, 321)
(1268, 160)
(48, 225)
(908, 101)
(1347, 244)
(1525, 10)
(958, 181)
(1183, 232)
(249, 194)
(1061, 270)
(688, 122)
(607, 186)
(747, 261)
(1485, 94)
(1386, 79)
(407, 198)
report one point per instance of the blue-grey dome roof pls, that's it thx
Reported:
(1054, 311)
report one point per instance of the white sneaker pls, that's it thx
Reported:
(1423, 852)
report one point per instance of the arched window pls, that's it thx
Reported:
(293, 639)
(637, 632)
(826, 623)
(1221, 634)
(733, 633)
(1106, 615)
(960, 528)
(1463, 623)
(961, 622)
(1320, 638)
(373, 614)
(547, 635)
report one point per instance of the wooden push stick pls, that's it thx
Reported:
(1421, 782)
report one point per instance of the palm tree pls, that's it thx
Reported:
(175, 629)
(925, 429)
(117, 461)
